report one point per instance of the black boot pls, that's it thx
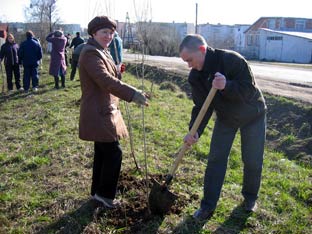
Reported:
(56, 81)
(63, 81)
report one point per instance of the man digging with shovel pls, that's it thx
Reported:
(239, 105)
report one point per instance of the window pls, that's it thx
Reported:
(249, 40)
(275, 38)
(300, 25)
(271, 24)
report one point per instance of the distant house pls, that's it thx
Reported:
(71, 29)
(218, 35)
(224, 36)
(283, 46)
(239, 37)
(279, 39)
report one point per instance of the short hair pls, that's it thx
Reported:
(58, 33)
(77, 33)
(192, 42)
(29, 33)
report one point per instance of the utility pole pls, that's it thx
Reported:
(196, 13)
(127, 34)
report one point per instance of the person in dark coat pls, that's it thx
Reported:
(9, 53)
(76, 41)
(57, 62)
(75, 59)
(30, 54)
(100, 117)
(239, 106)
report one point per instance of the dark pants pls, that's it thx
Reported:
(30, 72)
(106, 168)
(252, 147)
(66, 58)
(56, 81)
(10, 69)
(74, 65)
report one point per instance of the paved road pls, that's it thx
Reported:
(283, 73)
(292, 81)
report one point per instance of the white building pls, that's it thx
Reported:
(224, 36)
(284, 46)
(239, 37)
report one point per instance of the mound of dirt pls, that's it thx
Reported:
(290, 128)
(134, 211)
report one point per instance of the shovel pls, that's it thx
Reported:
(160, 198)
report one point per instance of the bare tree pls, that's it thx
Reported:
(101, 7)
(42, 17)
(143, 14)
(43, 12)
(156, 38)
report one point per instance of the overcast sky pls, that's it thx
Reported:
(214, 12)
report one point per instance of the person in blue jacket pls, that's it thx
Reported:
(9, 53)
(115, 48)
(30, 54)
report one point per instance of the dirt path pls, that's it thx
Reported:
(289, 89)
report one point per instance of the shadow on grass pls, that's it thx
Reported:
(90, 211)
(189, 225)
(74, 222)
(45, 88)
(147, 227)
(15, 95)
(235, 223)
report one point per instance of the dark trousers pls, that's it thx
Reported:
(30, 72)
(66, 59)
(252, 147)
(56, 81)
(10, 69)
(106, 168)
(74, 65)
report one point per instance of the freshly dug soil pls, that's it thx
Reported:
(134, 212)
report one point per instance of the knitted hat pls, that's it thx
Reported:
(100, 22)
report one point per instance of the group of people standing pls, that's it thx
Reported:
(29, 54)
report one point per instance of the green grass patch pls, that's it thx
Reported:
(45, 168)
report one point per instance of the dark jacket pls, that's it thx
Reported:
(9, 52)
(76, 41)
(239, 103)
(77, 52)
(100, 117)
(30, 52)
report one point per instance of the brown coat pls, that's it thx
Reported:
(100, 117)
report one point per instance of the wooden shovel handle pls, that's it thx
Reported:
(194, 128)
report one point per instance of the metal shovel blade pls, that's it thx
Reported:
(160, 199)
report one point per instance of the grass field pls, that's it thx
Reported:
(45, 169)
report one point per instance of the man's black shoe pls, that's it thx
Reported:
(250, 206)
(202, 215)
